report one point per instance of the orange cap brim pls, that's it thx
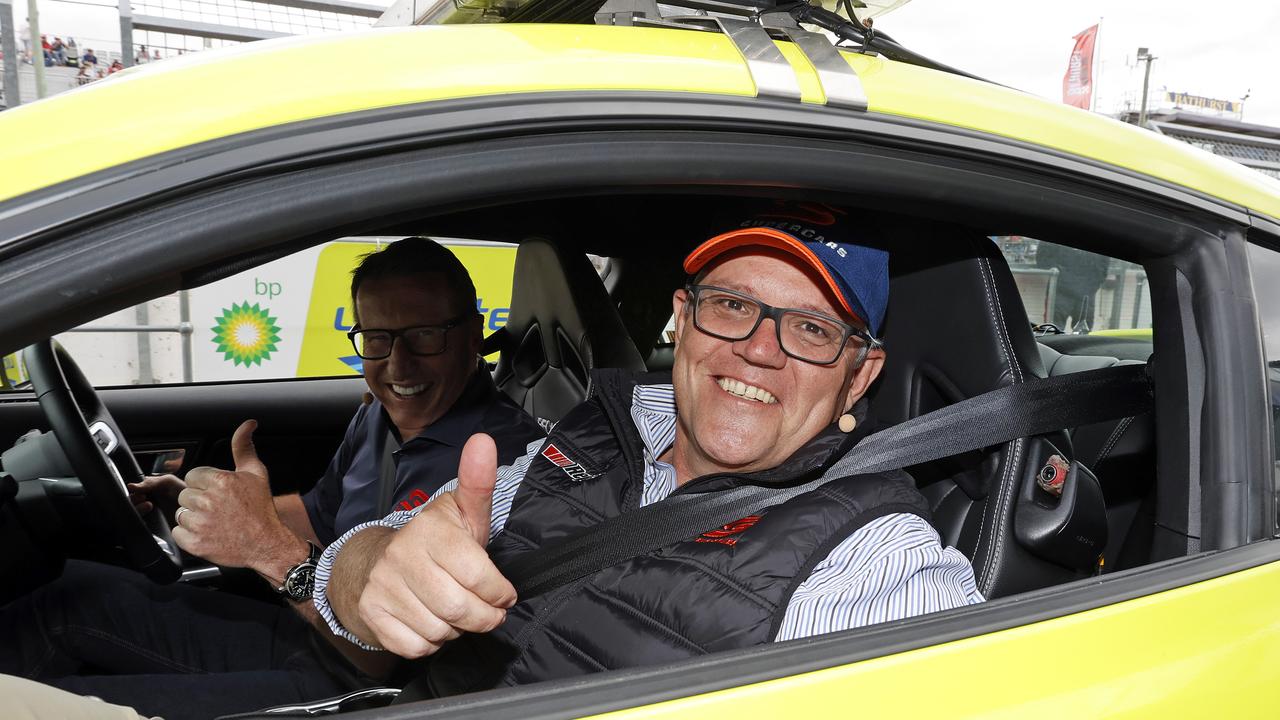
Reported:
(763, 237)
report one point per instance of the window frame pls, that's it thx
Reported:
(1192, 243)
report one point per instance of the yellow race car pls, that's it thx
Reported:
(623, 142)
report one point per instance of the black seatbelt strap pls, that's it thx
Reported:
(387, 472)
(1025, 409)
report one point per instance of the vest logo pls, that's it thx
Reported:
(560, 460)
(722, 535)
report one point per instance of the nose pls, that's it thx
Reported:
(761, 347)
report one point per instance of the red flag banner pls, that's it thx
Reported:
(1077, 84)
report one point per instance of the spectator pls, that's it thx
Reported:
(84, 77)
(155, 55)
(89, 58)
(47, 49)
(116, 66)
(101, 74)
(142, 55)
(59, 51)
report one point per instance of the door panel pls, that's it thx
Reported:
(300, 422)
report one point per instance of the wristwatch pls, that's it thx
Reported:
(301, 578)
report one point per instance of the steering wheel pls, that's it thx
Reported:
(97, 452)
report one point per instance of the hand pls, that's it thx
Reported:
(156, 491)
(434, 580)
(230, 518)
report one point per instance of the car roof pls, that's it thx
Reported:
(220, 93)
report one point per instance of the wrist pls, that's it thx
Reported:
(288, 552)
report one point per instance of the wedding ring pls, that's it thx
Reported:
(177, 516)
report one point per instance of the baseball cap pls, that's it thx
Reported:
(858, 275)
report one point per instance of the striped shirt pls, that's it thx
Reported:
(891, 568)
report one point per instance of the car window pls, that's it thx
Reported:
(285, 319)
(1077, 291)
(1265, 266)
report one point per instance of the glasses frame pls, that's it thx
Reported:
(775, 314)
(397, 334)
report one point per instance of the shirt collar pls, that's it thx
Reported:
(653, 409)
(459, 422)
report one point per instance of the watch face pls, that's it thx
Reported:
(300, 582)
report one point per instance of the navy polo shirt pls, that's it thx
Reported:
(347, 494)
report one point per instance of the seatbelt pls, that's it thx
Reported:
(387, 472)
(1024, 409)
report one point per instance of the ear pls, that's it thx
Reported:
(679, 303)
(863, 376)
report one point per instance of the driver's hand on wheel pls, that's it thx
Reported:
(227, 516)
(156, 491)
(434, 580)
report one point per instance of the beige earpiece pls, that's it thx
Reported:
(847, 423)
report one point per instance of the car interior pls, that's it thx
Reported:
(956, 328)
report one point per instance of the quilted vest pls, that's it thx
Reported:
(722, 588)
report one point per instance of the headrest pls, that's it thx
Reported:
(562, 325)
(955, 327)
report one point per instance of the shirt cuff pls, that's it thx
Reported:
(324, 571)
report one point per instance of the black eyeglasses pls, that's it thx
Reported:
(802, 334)
(376, 344)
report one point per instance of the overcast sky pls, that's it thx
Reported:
(1222, 50)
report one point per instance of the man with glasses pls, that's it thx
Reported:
(775, 348)
(182, 651)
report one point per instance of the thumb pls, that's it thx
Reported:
(477, 474)
(243, 451)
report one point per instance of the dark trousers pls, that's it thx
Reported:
(174, 650)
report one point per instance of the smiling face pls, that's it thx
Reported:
(745, 405)
(416, 390)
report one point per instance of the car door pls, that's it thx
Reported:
(1186, 634)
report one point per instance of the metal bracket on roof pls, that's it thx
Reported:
(840, 83)
(773, 75)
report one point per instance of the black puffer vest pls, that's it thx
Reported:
(720, 589)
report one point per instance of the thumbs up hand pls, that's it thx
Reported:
(433, 579)
(228, 518)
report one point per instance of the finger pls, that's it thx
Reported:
(142, 507)
(194, 499)
(394, 636)
(202, 477)
(393, 598)
(477, 475)
(470, 566)
(243, 451)
(431, 602)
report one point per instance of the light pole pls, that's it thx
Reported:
(1144, 56)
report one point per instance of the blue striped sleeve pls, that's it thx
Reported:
(892, 568)
(504, 492)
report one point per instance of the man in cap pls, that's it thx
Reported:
(775, 347)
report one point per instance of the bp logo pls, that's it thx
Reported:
(246, 335)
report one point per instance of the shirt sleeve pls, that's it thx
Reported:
(892, 568)
(504, 492)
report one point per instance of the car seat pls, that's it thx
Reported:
(956, 328)
(562, 325)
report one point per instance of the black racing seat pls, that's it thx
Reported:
(562, 325)
(956, 328)
(1121, 453)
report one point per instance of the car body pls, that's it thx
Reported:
(235, 157)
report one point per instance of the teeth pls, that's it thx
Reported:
(743, 390)
(407, 390)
